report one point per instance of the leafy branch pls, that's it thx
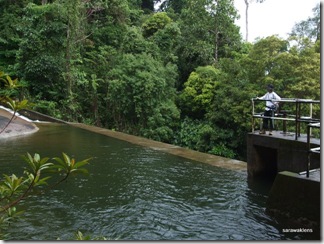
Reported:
(14, 189)
(15, 105)
(40, 171)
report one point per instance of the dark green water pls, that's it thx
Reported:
(136, 193)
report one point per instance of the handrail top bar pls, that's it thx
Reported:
(292, 100)
(317, 125)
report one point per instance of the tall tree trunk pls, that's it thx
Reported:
(246, 20)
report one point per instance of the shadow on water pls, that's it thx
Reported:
(137, 193)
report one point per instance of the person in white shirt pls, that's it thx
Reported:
(272, 99)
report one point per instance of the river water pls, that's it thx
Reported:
(136, 193)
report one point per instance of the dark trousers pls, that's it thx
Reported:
(266, 121)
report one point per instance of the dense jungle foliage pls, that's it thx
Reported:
(178, 73)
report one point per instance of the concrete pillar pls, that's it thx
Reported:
(268, 155)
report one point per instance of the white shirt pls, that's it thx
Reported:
(270, 96)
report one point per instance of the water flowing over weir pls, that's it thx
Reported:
(139, 191)
(172, 149)
(19, 125)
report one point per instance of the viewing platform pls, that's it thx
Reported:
(291, 157)
(294, 145)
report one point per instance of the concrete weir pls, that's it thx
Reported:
(168, 148)
(214, 160)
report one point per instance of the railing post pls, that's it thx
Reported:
(308, 152)
(311, 116)
(284, 123)
(296, 119)
(252, 100)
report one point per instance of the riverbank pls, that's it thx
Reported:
(19, 126)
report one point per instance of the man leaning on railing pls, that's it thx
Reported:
(272, 104)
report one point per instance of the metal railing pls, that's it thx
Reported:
(293, 115)
(310, 149)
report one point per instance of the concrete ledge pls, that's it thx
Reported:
(169, 148)
(295, 200)
(268, 155)
(33, 115)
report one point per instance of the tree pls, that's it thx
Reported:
(11, 13)
(229, 113)
(207, 32)
(174, 5)
(75, 34)
(208, 95)
(40, 58)
(306, 73)
(310, 28)
(262, 59)
(225, 32)
(167, 40)
(154, 23)
(198, 92)
(247, 4)
(272, 60)
(141, 96)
